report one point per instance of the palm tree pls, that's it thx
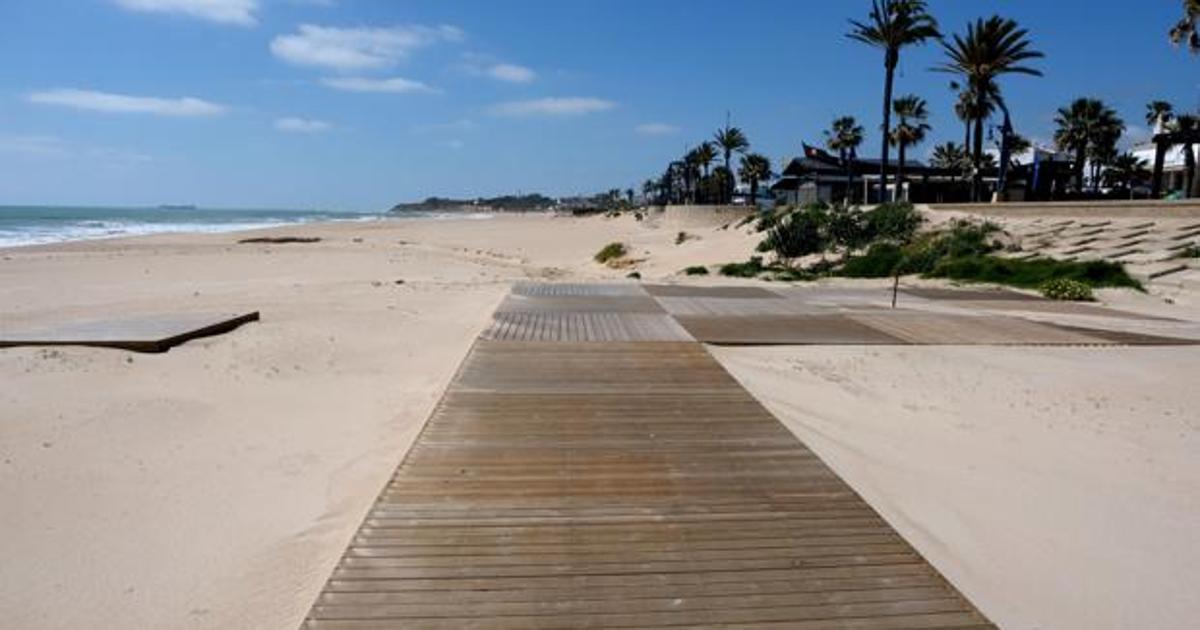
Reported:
(755, 168)
(1185, 30)
(950, 155)
(1158, 114)
(691, 173)
(892, 25)
(1125, 170)
(1186, 123)
(705, 154)
(845, 135)
(910, 131)
(730, 140)
(991, 48)
(1087, 125)
(650, 191)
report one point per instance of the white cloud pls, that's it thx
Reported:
(393, 85)
(479, 65)
(656, 129)
(358, 48)
(560, 106)
(120, 103)
(239, 12)
(292, 124)
(511, 73)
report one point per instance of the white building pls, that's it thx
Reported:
(1174, 165)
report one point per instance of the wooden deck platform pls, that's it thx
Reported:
(141, 334)
(567, 484)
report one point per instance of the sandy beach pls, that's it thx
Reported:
(216, 485)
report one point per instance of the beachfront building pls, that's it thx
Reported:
(1173, 166)
(822, 176)
(1038, 174)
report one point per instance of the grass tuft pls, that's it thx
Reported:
(609, 252)
(1033, 273)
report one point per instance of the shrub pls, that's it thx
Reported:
(696, 270)
(798, 234)
(880, 261)
(790, 274)
(1064, 289)
(1033, 273)
(893, 221)
(748, 269)
(847, 227)
(682, 237)
(633, 274)
(963, 239)
(612, 251)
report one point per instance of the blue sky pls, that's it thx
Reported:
(357, 104)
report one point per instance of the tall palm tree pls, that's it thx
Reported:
(911, 129)
(890, 26)
(755, 168)
(1087, 126)
(845, 135)
(1185, 30)
(1185, 123)
(1158, 114)
(730, 140)
(990, 49)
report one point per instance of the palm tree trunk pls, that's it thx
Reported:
(727, 192)
(849, 178)
(899, 172)
(977, 162)
(1079, 158)
(1189, 172)
(888, 81)
(754, 193)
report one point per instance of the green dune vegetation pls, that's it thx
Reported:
(887, 241)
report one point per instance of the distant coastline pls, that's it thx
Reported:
(506, 203)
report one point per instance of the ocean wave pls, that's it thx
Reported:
(53, 227)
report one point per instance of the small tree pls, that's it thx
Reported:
(755, 168)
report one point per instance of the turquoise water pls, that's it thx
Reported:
(31, 225)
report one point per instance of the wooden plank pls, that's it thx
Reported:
(693, 291)
(943, 329)
(572, 482)
(827, 329)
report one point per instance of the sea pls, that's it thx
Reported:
(34, 225)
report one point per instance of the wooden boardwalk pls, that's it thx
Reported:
(568, 483)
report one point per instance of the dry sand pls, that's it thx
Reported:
(1056, 487)
(216, 485)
